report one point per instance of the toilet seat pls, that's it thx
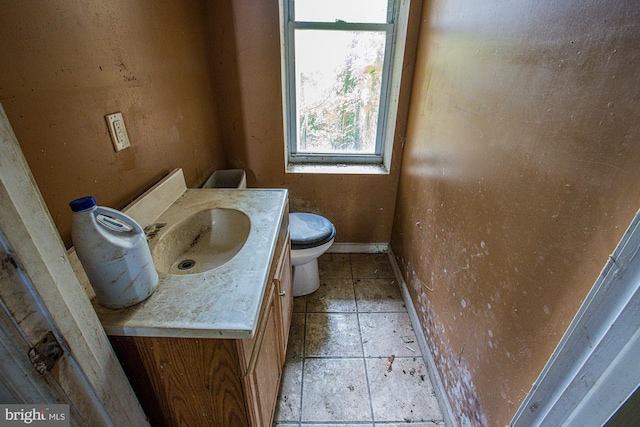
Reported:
(309, 230)
(311, 236)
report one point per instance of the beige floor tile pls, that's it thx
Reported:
(332, 335)
(384, 334)
(333, 295)
(378, 295)
(334, 266)
(295, 346)
(325, 360)
(371, 266)
(289, 399)
(335, 390)
(402, 394)
(300, 304)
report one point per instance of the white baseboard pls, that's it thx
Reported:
(358, 248)
(434, 376)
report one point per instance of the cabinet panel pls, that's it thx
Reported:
(264, 354)
(264, 379)
(268, 361)
(183, 381)
(285, 296)
(248, 348)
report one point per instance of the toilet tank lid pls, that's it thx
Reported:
(309, 230)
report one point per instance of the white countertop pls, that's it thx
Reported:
(221, 303)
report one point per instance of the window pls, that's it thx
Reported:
(342, 61)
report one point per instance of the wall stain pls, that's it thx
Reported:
(452, 367)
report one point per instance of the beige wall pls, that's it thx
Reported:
(246, 62)
(169, 67)
(520, 174)
(65, 64)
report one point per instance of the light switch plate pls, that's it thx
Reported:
(117, 131)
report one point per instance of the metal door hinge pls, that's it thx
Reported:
(45, 353)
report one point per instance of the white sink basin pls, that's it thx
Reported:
(200, 242)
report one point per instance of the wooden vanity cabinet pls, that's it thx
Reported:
(216, 382)
(283, 285)
(264, 354)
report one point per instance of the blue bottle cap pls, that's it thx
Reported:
(82, 204)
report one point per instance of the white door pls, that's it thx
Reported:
(39, 293)
(594, 368)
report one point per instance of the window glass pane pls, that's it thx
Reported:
(338, 81)
(370, 11)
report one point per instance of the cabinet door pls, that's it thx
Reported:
(263, 378)
(285, 295)
(184, 381)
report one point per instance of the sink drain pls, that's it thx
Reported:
(186, 264)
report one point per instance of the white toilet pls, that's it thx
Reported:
(311, 236)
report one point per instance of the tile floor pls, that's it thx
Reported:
(338, 370)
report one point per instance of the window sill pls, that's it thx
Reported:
(338, 169)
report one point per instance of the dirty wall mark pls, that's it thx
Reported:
(451, 364)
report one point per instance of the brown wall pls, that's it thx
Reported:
(520, 168)
(520, 174)
(68, 63)
(246, 63)
(65, 64)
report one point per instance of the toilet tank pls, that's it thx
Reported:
(227, 178)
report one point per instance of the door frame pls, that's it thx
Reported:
(594, 368)
(89, 372)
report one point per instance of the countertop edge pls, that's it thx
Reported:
(179, 333)
(245, 330)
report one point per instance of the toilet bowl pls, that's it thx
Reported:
(311, 236)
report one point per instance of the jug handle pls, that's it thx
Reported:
(121, 216)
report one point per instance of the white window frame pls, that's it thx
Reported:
(380, 162)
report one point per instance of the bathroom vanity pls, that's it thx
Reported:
(207, 349)
(215, 381)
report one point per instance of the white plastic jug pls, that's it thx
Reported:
(114, 253)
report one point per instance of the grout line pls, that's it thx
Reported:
(354, 312)
(364, 360)
(417, 356)
(304, 357)
(366, 370)
(366, 378)
(343, 423)
(351, 271)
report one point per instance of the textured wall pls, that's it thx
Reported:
(520, 174)
(246, 62)
(65, 64)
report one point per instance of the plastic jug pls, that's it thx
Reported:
(113, 251)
